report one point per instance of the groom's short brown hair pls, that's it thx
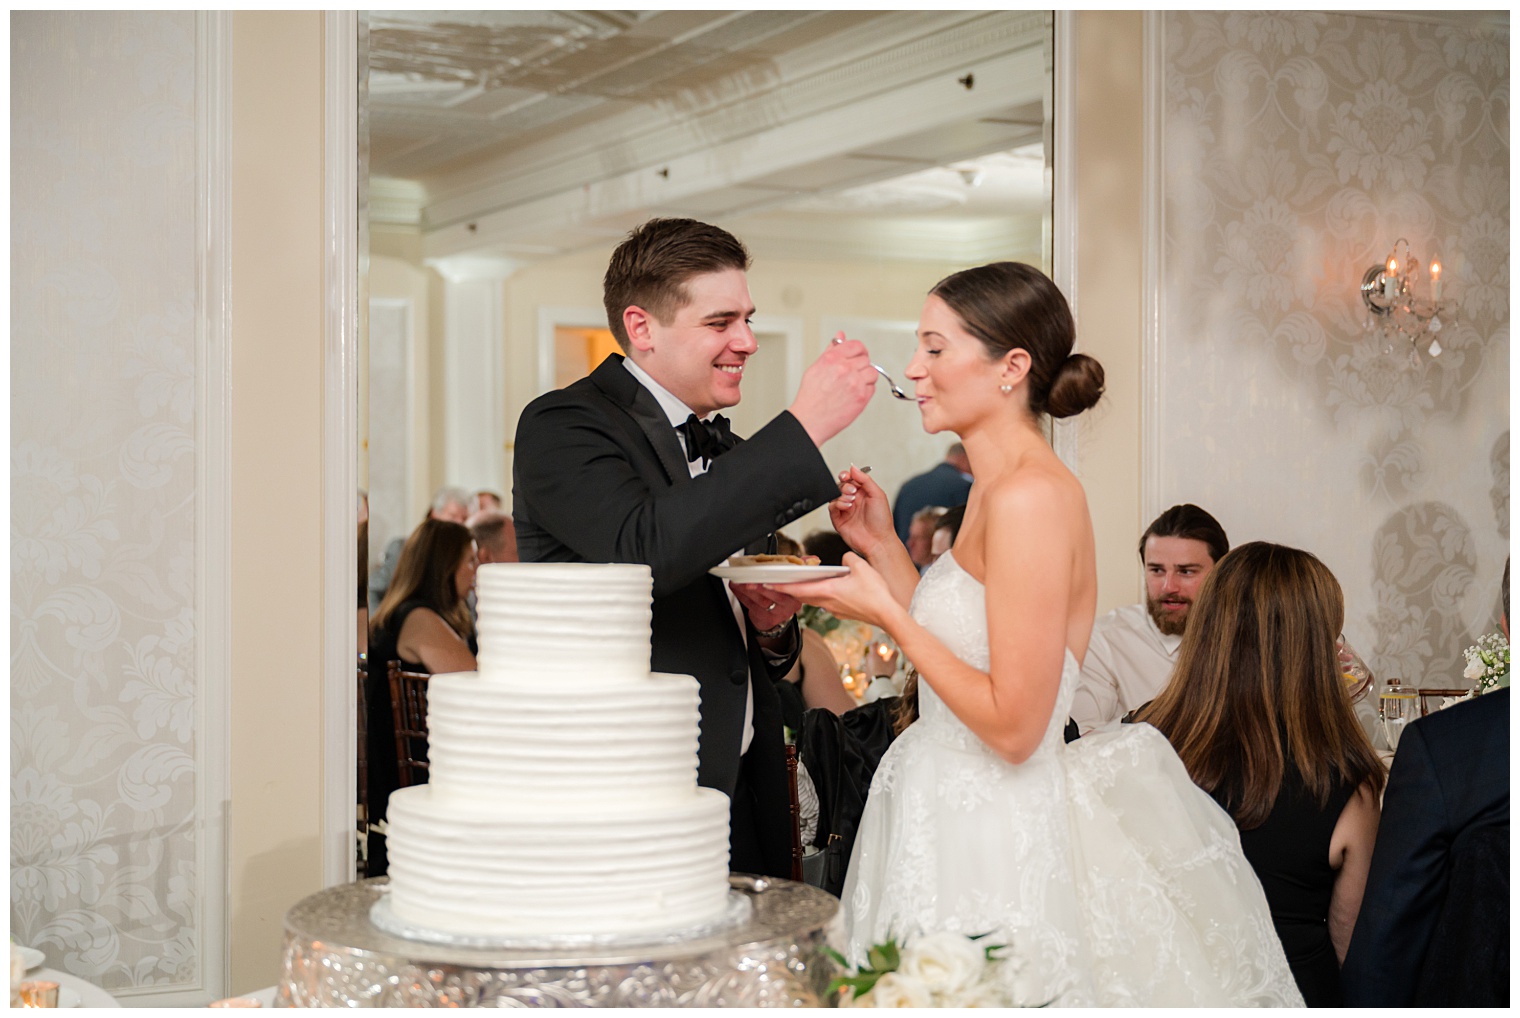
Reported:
(650, 268)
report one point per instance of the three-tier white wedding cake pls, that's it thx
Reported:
(562, 795)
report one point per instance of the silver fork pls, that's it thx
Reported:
(892, 386)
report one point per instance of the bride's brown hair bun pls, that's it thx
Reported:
(1011, 305)
(1078, 386)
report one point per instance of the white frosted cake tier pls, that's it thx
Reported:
(563, 618)
(626, 867)
(562, 796)
(563, 744)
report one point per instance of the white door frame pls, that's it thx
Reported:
(340, 381)
(340, 439)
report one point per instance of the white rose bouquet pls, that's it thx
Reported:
(936, 970)
(1488, 663)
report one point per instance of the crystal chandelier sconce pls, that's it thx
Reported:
(1397, 310)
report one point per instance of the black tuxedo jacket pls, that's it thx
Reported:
(1450, 780)
(599, 476)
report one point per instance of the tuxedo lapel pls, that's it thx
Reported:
(623, 389)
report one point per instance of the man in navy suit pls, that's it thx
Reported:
(947, 485)
(1433, 927)
(630, 465)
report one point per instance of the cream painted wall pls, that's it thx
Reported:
(1110, 249)
(277, 300)
(396, 271)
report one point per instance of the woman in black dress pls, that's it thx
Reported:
(424, 622)
(1257, 710)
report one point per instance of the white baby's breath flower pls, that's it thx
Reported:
(943, 962)
(897, 990)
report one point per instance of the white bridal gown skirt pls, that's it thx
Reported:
(1110, 876)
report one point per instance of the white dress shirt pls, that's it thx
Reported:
(1128, 662)
(678, 412)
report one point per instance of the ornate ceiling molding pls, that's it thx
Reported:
(879, 119)
(811, 82)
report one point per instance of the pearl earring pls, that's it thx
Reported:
(1005, 389)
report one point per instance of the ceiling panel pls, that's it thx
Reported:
(487, 111)
(953, 141)
(727, 201)
(838, 171)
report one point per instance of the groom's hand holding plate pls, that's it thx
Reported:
(751, 569)
(767, 607)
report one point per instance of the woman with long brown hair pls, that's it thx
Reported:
(423, 622)
(1257, 710)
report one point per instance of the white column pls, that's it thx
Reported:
(474, 371)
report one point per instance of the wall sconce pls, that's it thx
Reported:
(1394, 308)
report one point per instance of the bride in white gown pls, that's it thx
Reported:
(1110, 876)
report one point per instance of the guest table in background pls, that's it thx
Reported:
(88, 993)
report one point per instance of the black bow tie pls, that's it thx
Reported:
(707, 439)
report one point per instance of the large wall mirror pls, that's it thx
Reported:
(860, 155)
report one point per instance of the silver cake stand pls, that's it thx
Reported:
(769, 956)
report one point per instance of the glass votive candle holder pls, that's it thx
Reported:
(39, 993)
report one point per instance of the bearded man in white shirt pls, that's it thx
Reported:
(1134, 648)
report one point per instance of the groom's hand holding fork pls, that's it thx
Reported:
(835, 389)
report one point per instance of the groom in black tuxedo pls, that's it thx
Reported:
(630, 465)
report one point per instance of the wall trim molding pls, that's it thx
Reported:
(213, 520)
(340, 565)
(1063, 211)
(1152, 298)
(213, 497)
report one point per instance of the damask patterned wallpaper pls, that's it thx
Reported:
(1297, 148)
(103, 560)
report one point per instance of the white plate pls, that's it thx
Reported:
(32, 957)
(68, 997)
(777, 573)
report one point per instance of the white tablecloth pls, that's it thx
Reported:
(90, 995)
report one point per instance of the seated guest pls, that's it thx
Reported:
(1434, 928)
(814, 680)
(921, 535)
(424, 623)
(494, 536)
(363, 613)
(1133, 648)
(827, 545)
(947, 483)
(448, 504)
(484, 500)
(1257, 711)
(816, 676)
(945, 531)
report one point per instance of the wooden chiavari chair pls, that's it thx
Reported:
(409, 704)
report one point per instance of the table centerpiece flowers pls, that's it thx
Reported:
(1487, 664)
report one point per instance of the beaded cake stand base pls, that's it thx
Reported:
(335, 956)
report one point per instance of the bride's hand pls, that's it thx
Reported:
(861, 595)
(862, 514)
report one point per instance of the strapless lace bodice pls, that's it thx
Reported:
(952, 604)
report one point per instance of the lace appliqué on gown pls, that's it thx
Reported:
(1110, 876)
